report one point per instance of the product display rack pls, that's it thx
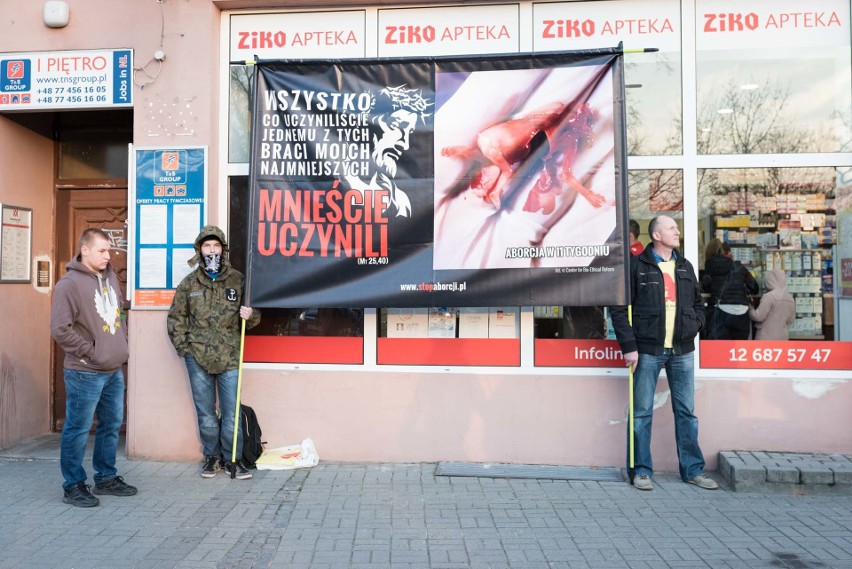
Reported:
(795, 237)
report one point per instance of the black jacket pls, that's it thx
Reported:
(647, 292)
(721, 269)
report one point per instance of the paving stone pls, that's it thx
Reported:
(784, 474)
(842, 475)
(727, 462)
(389, 516)
(816, 474)
(749, 473)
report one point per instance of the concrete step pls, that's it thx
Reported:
(757, 471)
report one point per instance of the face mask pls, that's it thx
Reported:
(212, 263)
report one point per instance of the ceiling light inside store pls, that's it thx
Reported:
(725, 111)
(749, 86)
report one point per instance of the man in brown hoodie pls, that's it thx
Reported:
(85, 320)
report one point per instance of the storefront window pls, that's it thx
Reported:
(487, 336)
(773, 78)
(653, 79)
(780, 220)
(653, 97)
(311, 321)
(239, 113)
(445, 322)
(589, 328)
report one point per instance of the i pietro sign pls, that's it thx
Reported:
(61, 80)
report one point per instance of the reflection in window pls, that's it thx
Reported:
(653, 101)
(310, 322)
(239, 113)
(572, 322)
(778, 218)
(94, 144)
(765, 105)
(651, 193)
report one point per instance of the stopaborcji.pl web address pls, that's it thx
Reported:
(431, 287)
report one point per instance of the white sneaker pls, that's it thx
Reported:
(703, 482)
(643, 482)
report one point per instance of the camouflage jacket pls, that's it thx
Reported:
(204, 319)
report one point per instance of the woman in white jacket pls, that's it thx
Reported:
(777, 309)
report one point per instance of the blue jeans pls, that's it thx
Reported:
(87, 393)
(680, 370)
(216, 436)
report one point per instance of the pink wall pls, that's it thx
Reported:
(414, 417)
(26, 180)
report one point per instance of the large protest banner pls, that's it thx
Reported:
(438, 182)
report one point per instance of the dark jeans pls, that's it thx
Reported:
(680, 371)
(87, 392)
(217, 437)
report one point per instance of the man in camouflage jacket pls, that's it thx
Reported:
(204, 327)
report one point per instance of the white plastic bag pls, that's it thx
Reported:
(289, 457)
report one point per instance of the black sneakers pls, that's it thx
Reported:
(242, 471)
(79, 495)
(212, 465)
(115, 487)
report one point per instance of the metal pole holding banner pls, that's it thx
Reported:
(237, 406)
(630, 402)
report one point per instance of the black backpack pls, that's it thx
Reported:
(252, 442)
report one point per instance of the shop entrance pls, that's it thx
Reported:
(91, 191)
(77, 210)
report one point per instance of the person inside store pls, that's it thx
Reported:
(636, 246)
(729, 284)
(86, 322)
(777, 309)
(665, 315)
(204, 327)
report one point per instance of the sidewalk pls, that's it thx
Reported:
(360, 515)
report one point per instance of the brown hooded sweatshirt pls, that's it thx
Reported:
(85, 319)
(777, 309)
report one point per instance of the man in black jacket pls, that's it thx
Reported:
(667, 314)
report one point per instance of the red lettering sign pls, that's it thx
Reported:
(261, 39)
(409, 34)
(779, 354)
(554, 29)
(578, 353)
(730, 22)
